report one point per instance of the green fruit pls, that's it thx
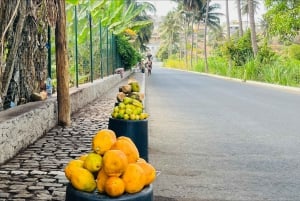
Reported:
(122, 111)
(139, 110)
(116, 109)
(93, 162)
(128, 111)
(122, 105)
(114, 115)
(126, 116)
(120, 116)
(135, 87)
(144, 115)
(127, 100)
(132, 117)
(137, 103)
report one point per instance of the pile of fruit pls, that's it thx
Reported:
(130, 102)
(112, 167)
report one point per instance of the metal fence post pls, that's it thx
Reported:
(112, 52)
(91, 47)
(101, 63)
(107, 66)
(76, 45)
(49, 52)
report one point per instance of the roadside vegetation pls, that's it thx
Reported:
(272, 56)
(94, 29)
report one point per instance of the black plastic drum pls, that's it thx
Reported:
(136, 130)
(74, 195)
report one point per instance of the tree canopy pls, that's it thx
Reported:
(283, 18)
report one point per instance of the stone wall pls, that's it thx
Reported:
(22, 125)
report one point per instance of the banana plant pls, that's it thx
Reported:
(127, 20)
(112, 14)
(74, 2)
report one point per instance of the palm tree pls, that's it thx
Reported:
(238, 5)
(170, 30)
(187, 16)
(143, 33)
(227, 21)
(205, 33)
(252, 27)
(203, 12)
(245, 8)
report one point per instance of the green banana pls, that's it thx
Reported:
(137, 103)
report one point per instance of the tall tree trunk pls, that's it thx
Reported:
(23, 32)
(197, 41)
(227, 21)
(205, 36)
(62, 65)
(238, 5)
(252, 27)
(185, 44)
(192, 45)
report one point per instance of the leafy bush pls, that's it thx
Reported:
(174, 63)
(128, 54)
(239, 50)
(162, 53)
(294, 51)
(265, 55)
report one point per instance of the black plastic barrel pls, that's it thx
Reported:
(136, 130)
(74, 195)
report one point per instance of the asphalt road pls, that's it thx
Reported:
(215, 139)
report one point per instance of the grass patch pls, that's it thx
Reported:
(282, 71)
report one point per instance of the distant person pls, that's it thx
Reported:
(149, 56)
(149, 66)
(143, 66)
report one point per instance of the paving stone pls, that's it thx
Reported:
(37, 172)
(30, 179)
(47, 180)
(23, 194)
(56, 173)
(34, 188)
(4, 195)
(19, 172)
(49, 184)
(18, 199)
(17, 187)
(11, 166)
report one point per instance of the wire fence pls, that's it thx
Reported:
(92, 53)
(92, 49)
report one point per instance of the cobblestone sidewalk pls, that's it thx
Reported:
(36, 173)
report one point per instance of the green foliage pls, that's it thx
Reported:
(294, 51)
(74, 2)
(128, 54)
(280, 70)
(265, 55)
(283, 18)
(174, 63)
(239, 50)
(162, 53)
